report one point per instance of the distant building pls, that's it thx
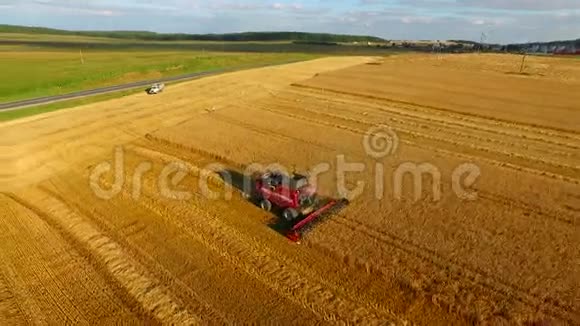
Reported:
(567, 49)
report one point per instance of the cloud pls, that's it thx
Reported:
(508, 5)
(106, 13)
(417, 20)
(287, 6)
(510, 20)
(543, 5)
(371, 2)
(71, 7)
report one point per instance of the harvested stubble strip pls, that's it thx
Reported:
(146, 290)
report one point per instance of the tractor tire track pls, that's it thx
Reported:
(425, 119)
(191, 300)
(516, 167)
(557, 215)
(131, 277)
(429, 137)
(47, 274)
(198, 151)
(473, 274)
(457, 134)
(552, 131)
(267, 131)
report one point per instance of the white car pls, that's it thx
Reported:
(156, 89)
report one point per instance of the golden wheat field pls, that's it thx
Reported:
(507, 254)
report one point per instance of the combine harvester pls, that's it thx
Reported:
(296, 199)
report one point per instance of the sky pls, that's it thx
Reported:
(494, 21)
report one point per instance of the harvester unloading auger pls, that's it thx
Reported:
(296, 199)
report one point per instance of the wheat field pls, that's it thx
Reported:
(511, 254)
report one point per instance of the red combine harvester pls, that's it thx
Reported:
(296, 199)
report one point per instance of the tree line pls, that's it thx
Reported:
(233, 37)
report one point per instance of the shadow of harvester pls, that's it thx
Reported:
(246, 185)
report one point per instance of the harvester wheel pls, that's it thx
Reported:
(290, 214)
(266, 205)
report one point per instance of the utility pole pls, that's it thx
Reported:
(524, 55)
(482, 40)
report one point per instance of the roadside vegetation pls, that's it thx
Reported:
(34, 110)
(39, 62)
(29, 72)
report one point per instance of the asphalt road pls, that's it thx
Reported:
(111, 89)
(103, 90)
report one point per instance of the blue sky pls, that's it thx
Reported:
(501, 20)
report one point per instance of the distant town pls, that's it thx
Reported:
(571, 47)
